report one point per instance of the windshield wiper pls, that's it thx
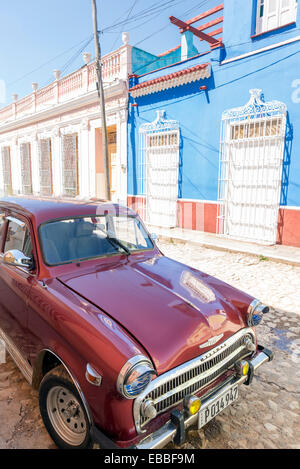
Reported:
(115, 241)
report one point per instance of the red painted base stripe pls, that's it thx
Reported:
(201, 216)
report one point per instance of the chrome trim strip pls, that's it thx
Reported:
(185, 367)
(204, 375)
(127, 367)
(17, 357)
(255, 306)
(166, 433)
(16, 220)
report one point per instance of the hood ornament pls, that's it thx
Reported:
(212, 341)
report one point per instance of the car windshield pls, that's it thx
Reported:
(81, 238)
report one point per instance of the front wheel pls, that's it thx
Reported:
(62, 411)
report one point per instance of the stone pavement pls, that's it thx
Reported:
(276, 284)
(277, 252)
(267, 413)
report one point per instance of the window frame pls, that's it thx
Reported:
(260, 20)
(78, 261)
(3, 233)
(11, 217)
(40, 157)
(29, 169)
(63, 162)
(9, 172)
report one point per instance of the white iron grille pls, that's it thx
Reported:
(70, 165)
(25, 152)
(250, 171)
(158, 171)
(45, 166)
(6, 170)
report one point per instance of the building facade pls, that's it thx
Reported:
(51, 140)
(212, 126)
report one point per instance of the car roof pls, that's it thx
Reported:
(42, 209)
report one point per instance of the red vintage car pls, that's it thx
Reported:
(127, 347)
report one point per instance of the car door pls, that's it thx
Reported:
(15, 286)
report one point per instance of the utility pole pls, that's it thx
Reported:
(102, 101)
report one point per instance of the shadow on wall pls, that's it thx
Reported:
(133, 136)
(285, 175)
(180, 93)
(180, 166)
(157, 101)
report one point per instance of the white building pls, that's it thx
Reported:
(51, 140)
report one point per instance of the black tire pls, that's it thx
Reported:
(56, 379)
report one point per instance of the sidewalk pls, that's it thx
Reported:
(279, 253)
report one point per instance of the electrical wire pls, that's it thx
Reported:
(155, 8)
(45, 63)
(127, 18)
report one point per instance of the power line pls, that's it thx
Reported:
(154, 9)
(198, 5)
(45, 63)
(128, 16)
(74, 57)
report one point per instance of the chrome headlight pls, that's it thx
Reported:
(135, 376)
(255, 312)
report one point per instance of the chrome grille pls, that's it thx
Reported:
(170, 388)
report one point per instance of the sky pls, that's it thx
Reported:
(38, 36)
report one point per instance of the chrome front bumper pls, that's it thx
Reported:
(169, 432)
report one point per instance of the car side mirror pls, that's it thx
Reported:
(17, 258)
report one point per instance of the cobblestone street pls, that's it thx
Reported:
(267, 413)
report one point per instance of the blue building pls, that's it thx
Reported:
(213, 125)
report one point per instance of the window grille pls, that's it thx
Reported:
(25, 153)
(158, 170)
(45, 166)
(6, 170)
(250, 170)
(70, 165)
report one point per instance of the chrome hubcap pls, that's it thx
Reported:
(66, 415)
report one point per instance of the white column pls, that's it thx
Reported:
(35, 165)
(56, 162)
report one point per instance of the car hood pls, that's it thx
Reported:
(168, 307)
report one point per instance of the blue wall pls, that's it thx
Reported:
(199, 112)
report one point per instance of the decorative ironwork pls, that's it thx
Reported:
(255, 108)
(158, 170)
(250, 169)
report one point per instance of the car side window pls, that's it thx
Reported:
(18, 237)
